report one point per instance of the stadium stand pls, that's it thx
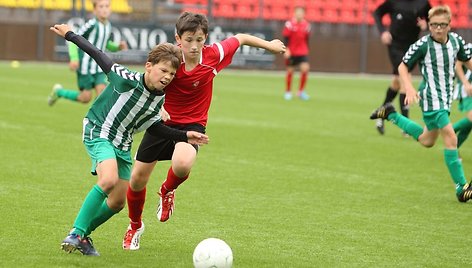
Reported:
(318, 11)
(118, 6)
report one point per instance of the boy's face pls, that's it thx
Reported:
(439, 26)
(192, 44)
(102, 9)
(159, 75)
(299, 13)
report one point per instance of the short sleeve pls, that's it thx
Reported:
(226, 50)
(416, 52)
(464, 50)
(122, 78)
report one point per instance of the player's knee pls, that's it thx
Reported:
(427, 143)
(138, 180)
(108, 184)
(182, 166)
(85, 97)
(469, 116)
(116, 204)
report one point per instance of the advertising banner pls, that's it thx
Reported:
(142, 37)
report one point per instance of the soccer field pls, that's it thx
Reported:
(284, 183)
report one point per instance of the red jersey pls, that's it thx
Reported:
(188, 96)
(297, 34)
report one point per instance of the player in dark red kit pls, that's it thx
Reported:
(188, 100)
(408, 18)
(297, 34)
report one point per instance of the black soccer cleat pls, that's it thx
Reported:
(383, 111)
(465, 194)
(86, 247)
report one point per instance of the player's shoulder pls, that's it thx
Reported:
(423, 40)
(456, 36)
(124, 73)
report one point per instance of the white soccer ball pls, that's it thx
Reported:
(212, 252)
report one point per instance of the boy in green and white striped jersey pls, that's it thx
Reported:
(463, 93)
(129, 104)
(436, 54)
(89, 75)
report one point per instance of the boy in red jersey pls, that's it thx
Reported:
(297, 34)
(188, 99)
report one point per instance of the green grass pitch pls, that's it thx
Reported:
(285, 184)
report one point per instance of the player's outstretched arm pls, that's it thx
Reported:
(274, 46)
(192, 137)
(101, 58)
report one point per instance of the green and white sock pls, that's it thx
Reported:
(88, 211)
(462, 129)
(409, 126)
(68, 94)
(454, 165)
(102, 215)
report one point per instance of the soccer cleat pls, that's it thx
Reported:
(288, 96)
(86, 247)
(132, 238)
(379, 123)
(71, 243)
(303, 96)
(166, 206)
(383, 111)
(52, 98)
(466, 193)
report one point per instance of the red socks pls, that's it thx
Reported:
(135, 206)
(288, 81)
(303, 78)
(172, 182)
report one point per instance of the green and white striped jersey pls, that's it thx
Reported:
(98, 34)
(460, 92)
(125, 107)
(436, 62)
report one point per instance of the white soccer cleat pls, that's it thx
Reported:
(166, 206)
(132, 238)
(52, 98)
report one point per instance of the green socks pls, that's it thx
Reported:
(92, 204)
(462, 129)
(407, 125)
(454, 165)
(103, 214)
(68, 94)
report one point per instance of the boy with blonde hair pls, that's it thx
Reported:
(436, 55)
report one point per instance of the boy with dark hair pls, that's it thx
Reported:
(188, 99)
(129, 104)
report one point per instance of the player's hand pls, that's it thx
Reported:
(386, 38)
(73, 65)
(197, 138)
(412, 96)
(123, 45)
(287, 54)
(276, 46)
(61, 29)
(164, 114)
(422, 23)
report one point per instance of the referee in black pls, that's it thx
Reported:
(408, 19)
